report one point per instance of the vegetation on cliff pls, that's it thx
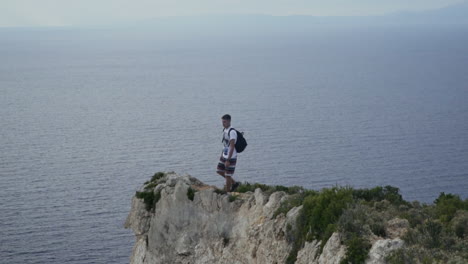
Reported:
(149, 195)
(435, 233)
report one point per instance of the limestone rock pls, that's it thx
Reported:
(334, 251)
(382, 248)
(309, 253)
(396, 227)
(139, 251)
(139, 218)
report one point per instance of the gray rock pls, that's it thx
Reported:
(396, 227)
(382, 248)
(138, 219)
(139, 251)
(309, 253)
(333, 251)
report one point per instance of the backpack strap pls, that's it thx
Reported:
(229, 132)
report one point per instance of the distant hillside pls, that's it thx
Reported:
(256, 23)
(453, 14)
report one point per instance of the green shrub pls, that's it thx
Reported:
(432, 231)
(150, 185)
(318, 217)
(397, 257)
(379, 193)
(226, 239)
(149, 197)
(157, 176)
(232, 198)
(411, 255)
(322, 210)
(378, 229)
(415, 216)
(249, 187)
(360, 219)
(357, 250)
(190, 193)
(460, 230)
(292, 201)
(290, 190)
(356, 223)
(420, 255)
(412, 237)
(460, 224)
(446, 205)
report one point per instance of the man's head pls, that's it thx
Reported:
(226, 121)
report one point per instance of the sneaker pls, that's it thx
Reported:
(234, 186)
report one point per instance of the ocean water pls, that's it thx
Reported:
(88, 115)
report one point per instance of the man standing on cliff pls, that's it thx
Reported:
(228, 159)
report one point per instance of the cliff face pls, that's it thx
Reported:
(218, 228)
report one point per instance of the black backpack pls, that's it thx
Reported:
(241, 143)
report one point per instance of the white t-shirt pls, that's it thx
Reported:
(227, 138)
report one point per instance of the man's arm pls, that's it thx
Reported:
(232, 145)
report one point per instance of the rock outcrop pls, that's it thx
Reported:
(220, 228)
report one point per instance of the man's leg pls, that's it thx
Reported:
(221, 169)
(229, 173)
(229, 183)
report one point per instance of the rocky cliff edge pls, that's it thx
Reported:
(185, 221)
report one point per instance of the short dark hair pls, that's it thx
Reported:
(226, 117)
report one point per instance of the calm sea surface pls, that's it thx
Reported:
(88, 115)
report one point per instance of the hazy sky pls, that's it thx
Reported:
(88, 12)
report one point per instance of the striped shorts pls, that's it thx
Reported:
(229, 171)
